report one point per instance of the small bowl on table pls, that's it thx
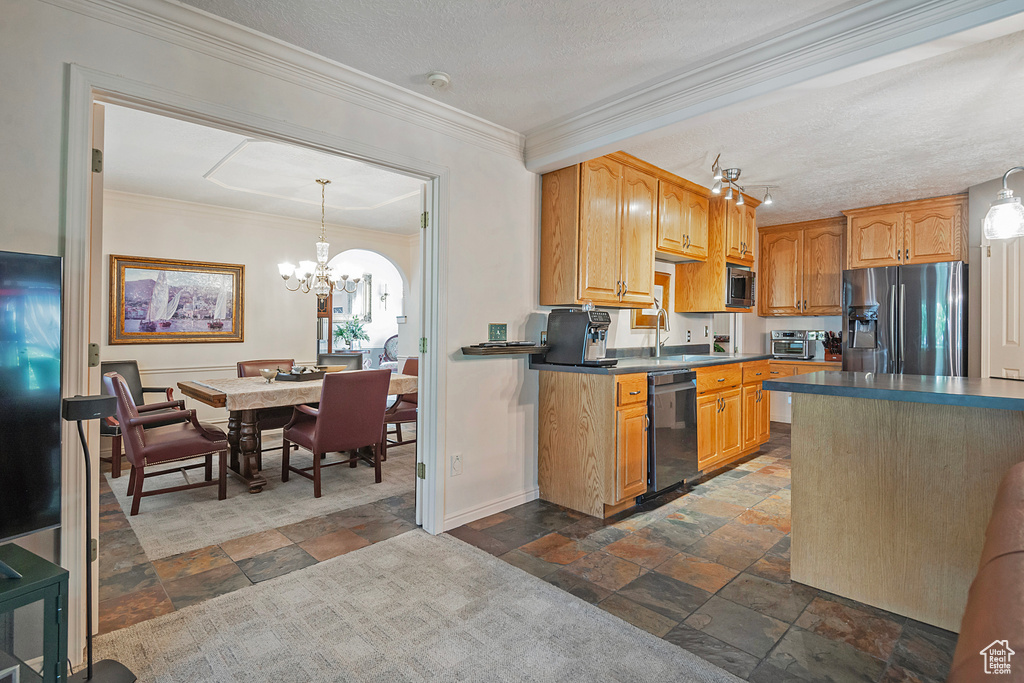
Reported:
(268, 374)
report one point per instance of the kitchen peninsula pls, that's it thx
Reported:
(893, 480)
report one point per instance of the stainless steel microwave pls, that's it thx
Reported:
(740, 287)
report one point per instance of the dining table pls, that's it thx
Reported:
(244, 397)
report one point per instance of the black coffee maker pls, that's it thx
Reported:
(579, 337)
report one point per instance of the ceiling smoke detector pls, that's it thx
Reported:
(438, 80)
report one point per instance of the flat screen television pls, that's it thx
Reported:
(30, 393)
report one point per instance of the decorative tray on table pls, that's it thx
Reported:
(300, 374)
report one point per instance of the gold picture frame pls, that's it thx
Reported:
(662, 287)
(163, 301)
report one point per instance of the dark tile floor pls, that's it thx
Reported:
(709, 572)
(132, 588)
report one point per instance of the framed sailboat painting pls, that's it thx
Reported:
(159, 301)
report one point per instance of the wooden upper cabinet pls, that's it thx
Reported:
(734, 231)
(682, 222)
(600, 228)
(823, 270)
(801, 268)
(921, 231)
(749, 233)
(697, 220)
(598, 225)
(639, 221)
(672, 218)
(876, 240)
(934, 233)
(780, 273)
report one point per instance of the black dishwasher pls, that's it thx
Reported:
(672, 436)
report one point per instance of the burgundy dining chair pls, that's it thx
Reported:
(267, 418)
(129, 370)
(402, 411)
(350, 417)
(182, 439)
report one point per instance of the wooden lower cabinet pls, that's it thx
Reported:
(592, 454)
(732, 421)
(630, 452)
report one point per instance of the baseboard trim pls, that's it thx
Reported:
(495, 506)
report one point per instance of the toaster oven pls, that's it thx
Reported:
(793, 344)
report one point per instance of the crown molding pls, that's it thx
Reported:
(857, 34)
(196, 30)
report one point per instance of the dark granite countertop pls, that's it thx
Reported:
(957, 391)
(627, 366)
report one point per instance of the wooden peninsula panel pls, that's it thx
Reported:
(891, 499)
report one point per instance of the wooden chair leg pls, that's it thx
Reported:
(222, 482)
(115, 457)
(285, 459)
(354, 457)
(376, 462)
(384, 444)
(398, 432)
(209, 467)
(139, 474)
(316, 475)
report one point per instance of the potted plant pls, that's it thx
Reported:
(350, 331)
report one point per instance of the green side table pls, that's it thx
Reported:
(44, 582)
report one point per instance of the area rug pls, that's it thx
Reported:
(173, 523)
(413, 608)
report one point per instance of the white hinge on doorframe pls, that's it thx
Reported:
(421, 470)
(97, 160)
(423, 220)
(423, 344)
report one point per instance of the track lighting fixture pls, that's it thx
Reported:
(728, 195)
(717, 187)
(767, 196)
(739, 197)
(727, 177)
(716, 170)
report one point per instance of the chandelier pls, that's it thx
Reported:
(317, 277)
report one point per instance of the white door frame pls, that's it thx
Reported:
(86, 85)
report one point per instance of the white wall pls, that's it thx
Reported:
(278, 323)
(490, 261)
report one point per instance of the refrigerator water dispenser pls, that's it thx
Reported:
(862, 325)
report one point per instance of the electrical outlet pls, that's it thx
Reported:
(687, 335)
(707, 331)
(456, 464)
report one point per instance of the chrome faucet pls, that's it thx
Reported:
(657, 327)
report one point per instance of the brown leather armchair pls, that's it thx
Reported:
(129, 370)
(163, 442)
(350, 417)
(267, 418)
(402, 411)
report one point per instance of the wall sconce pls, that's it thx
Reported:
(1005, 217)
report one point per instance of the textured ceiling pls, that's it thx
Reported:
(522, 63)
(163, 157)
(930, 128)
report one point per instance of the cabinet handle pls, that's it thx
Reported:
(719, 403)
(647, 427)
(687, 241)
(898, 254)
(618, 288)
(805, 304)
(625, 288)
(757, 374)
(634, 393)
(906, 254)
(775, 372)
(722, 379)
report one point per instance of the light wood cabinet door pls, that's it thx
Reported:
(600, 221)
(707, 429)
(876, 240)
(763, 415)
(750, 415)
(822, 271)
(932, 235)
(639, 216)
(749, 233)
(734, 231)
(630, 452)
(730, 424)
(672, 218)
(780, 273)
(697, 226)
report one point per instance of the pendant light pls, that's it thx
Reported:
(1005, 217)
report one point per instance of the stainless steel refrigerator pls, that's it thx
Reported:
(906, 319)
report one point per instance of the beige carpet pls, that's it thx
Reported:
(413, 608)
(172, 523)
